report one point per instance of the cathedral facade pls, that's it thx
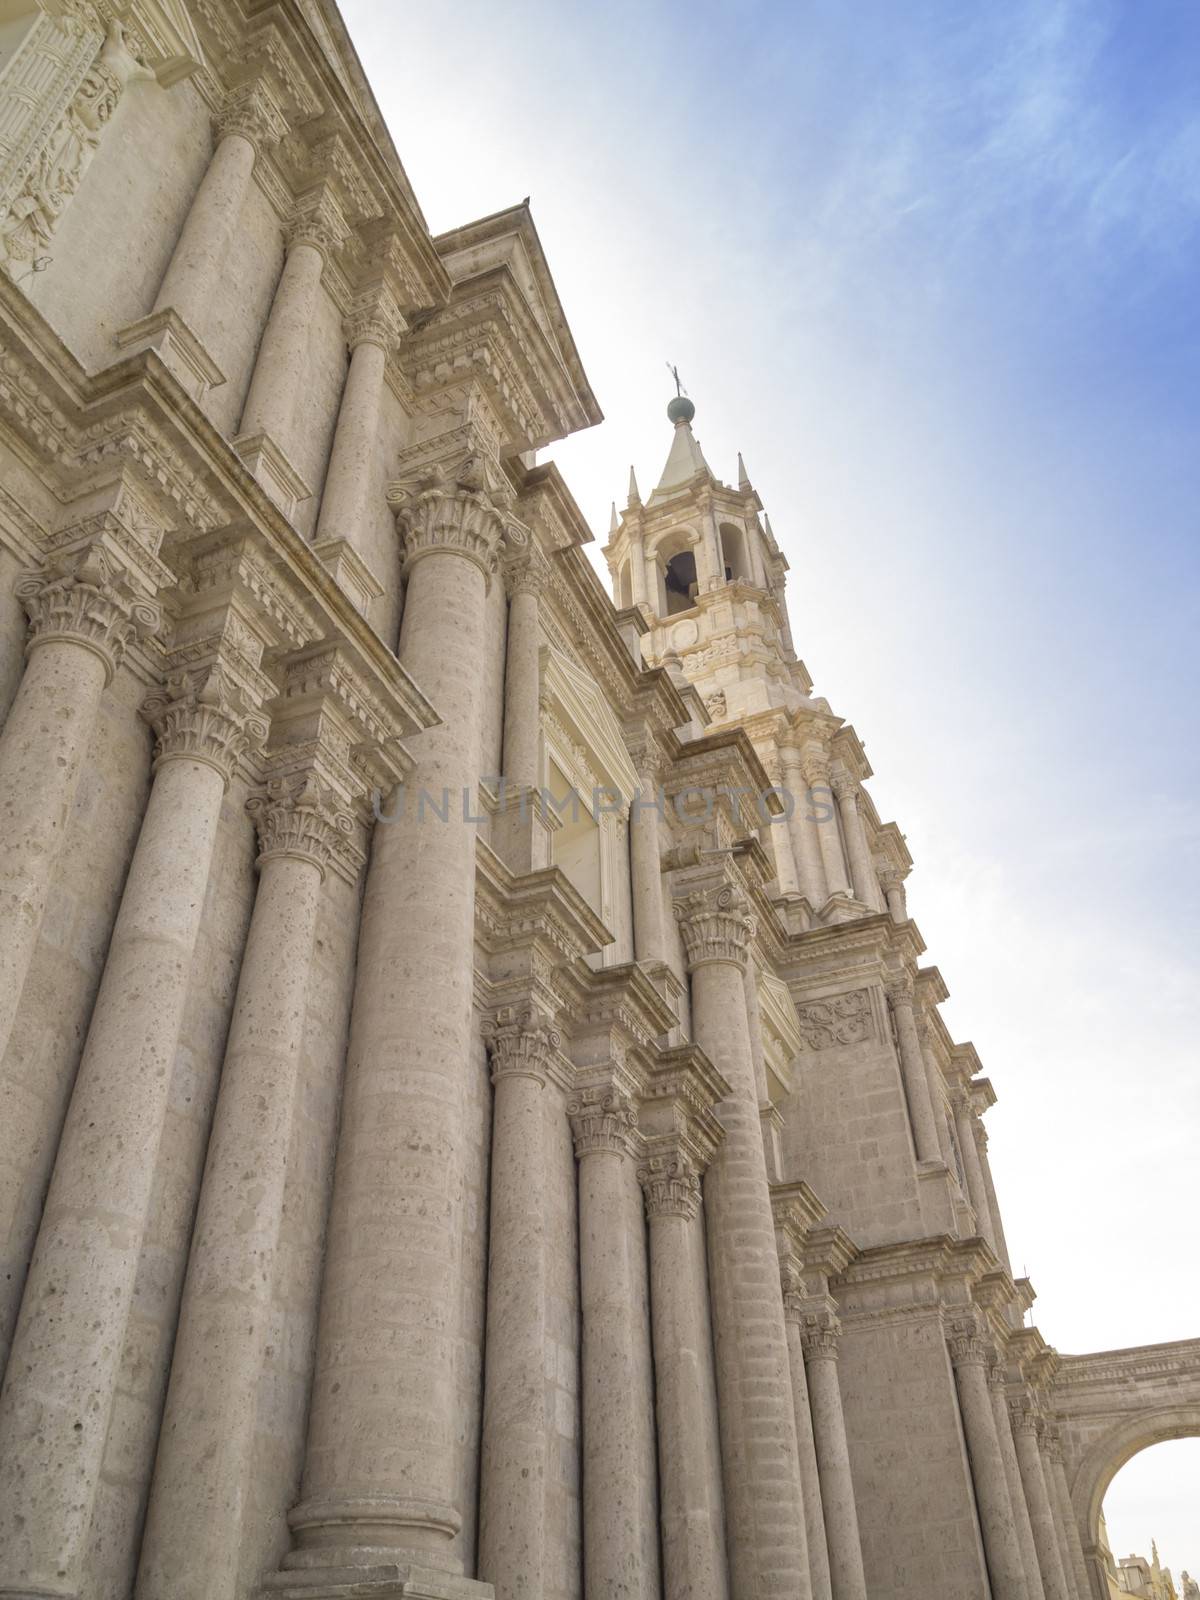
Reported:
(475, 1120)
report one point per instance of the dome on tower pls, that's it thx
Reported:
(681, 409)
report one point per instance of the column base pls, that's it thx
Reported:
(390, 1580)
(168, 335)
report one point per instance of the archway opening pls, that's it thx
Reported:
(735, 554)
(680, 582)
(1148, 1521)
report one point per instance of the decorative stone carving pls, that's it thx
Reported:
(318, 221)
(374, 318)
(820, 1336)
(840, 1019)
(603, 1121)
(452, 509)
(197, 717)
(525, 571)
(91, 604)
(845, 787)
(968, 1342)
(899, 990)
(671, 1185)
(521, 1043)
(28, 221)
(252, 111)
(715, 705)
(1023, 1414)
(716, 924)
(299, 816)
(814, 764)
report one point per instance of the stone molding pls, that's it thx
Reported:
(522, 1043)
(716, 925)
(195, 717)
(451, 511)
(671, 1184)
(603, 1122)
(299, 818)
(91, 605)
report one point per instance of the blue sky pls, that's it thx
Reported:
(933, 267)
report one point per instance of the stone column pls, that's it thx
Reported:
(1045, 1445)
(249, 118)
(372, 329)
(1057, 1474)
(820, 1337)
(645, 859)
(317, 228)
(522, 672)
(814, 1514)
(692, 1545)
(381, 1480)
(964, 1122)
(933, 1077)
(862, 870)
(58, 1396)
(912, 1069)
(202, 1474)
(1024, 1420)
(815, 767)
(82, 619)
(763, 1499)
(620, 1532)
(971, 1357)
(514, 1469)
(637, 571)
(893, 888)
(776, 834)
(1016, 1489)
(802, 828)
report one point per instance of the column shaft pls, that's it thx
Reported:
(820, 806)
(692, 1543)
(862, 871)
(522, 678)
(1037, 1498)
(814, 1515)
(1057, 1513)
(1016, 1491)
(620, 1532)
(352, 458)
(202, 1474)
(637, 571)
(964, 1122)
(197, 262)
(763, 1498)
(833, 1463)
(62, 1375)
(802, 828)
(645, 859)
(381, 1473)
(513, 1459)
(912, 1069)
(1075, 1557)
(279, 370)
(996, 1518)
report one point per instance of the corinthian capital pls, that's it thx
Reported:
(90, 604)
(454, 510)
(197, 717)
(374, 318)
(969, 1343)
(603, 1122)
(899, 989)
(814, 764)
(521, 1043)
(317, 220)
(845, 786)
(716, 924)
(299, 817)
(820, 1336)
(251, 111)
(670, 1184)
(1023, 1414)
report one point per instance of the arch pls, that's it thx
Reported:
(735, 555)
(1119, 1445)
(680, 583)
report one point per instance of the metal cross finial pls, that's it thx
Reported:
(674, 371)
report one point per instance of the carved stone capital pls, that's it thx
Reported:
(845, 787)
(820, 1336)
(453, 510)
(374, 318)
(90, 604)
(814, 764)
(251, 111)
(197, 717)
(317, 221)
(899, 990)
(603, 1122)
(300, 818)
(1023, 1414)
(969, 1343)
(1051, 1441)
(671, 1185)
(525, 571)
(521, 1043)
(716, 925)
